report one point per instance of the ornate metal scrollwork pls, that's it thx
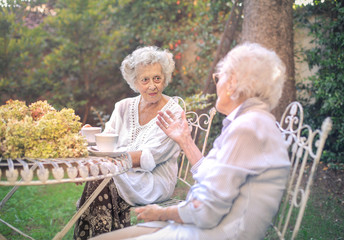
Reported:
(199, 125)
(305, 146)
(51, 171)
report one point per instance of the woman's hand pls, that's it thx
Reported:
(156, 213)
(176, 128)
(149, 213)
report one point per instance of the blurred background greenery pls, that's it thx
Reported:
(69, 53)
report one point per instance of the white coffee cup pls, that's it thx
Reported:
(90, 132)
(106, 142)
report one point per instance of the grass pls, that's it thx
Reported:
(324, 217)
(42, 211)
(39, 211)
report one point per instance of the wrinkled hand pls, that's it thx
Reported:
(149, 213)
(176, 128)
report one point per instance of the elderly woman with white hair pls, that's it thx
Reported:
(148, 71)
(239, 184)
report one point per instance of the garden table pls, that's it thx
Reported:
(28, 172)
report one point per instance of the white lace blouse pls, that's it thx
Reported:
(155, 180)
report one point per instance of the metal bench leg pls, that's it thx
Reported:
(15, 229)
(13, 190)
(8, 196)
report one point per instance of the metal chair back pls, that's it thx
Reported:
(305, 149)
(199, 125)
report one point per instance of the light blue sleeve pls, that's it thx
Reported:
(195, 167)
(219, 179)
(216, 200)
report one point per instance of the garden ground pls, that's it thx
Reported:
(31, 208)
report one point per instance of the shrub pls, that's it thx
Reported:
(327, 86)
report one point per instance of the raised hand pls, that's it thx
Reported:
(176, 128)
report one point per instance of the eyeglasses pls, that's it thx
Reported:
(216, 78)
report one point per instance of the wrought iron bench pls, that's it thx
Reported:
(305, 149)
(199, 125)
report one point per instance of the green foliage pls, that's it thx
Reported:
(327, 85)
(82, 62)
(199, 101)
(177, 26)
(73, 57)
(20, 53)
(207, 29)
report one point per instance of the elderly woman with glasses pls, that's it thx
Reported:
(239, 184)
(148, 71)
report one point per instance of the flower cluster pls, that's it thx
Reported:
(39, 131)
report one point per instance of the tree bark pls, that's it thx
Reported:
(270, 23)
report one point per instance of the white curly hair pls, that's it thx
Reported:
(145, 56)
(259, 72)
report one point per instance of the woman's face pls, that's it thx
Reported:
(224, 102)
(150, 82)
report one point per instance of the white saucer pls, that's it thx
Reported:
(93, 150)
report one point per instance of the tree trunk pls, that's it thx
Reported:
(270, 23)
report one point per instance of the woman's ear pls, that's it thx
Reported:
(232, 83)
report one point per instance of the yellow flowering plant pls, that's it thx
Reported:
(39, 131)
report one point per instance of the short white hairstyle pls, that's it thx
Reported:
(146, 56)
(259, 72)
